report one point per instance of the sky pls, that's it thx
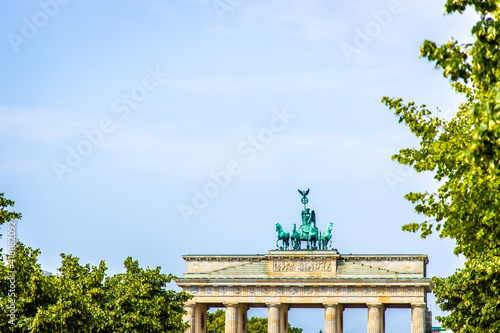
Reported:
(153, 128)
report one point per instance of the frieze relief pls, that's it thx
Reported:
(307, 291)
(302, 266)
(224, 291)
(324, 291)
(339, 291)
(193, 290)
(254, 291)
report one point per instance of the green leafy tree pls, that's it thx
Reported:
(255, 324)
(217, 320)
(463, 153)
(24, 289)
(472, 295)
(294, 329)
(138, 301)
(5, 214)
(83, 298)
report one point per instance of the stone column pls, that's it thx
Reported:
(200, 315)
(189, 317)
(340, 318)
(231, 318)
(284, 318)
(418, 318)
(331, 312)
(273, 318)
(242, 318)
(376, 318)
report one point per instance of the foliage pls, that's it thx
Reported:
(466, 204)
(84, 299)
(472, 295)
(136, 301)
(255, 324)
(464, 155)
(22, 281)
(474, 68)
(295, 329)
(6, 215)
(218, 318)
(464, 152)
(77, 297)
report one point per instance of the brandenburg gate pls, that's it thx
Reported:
(314, 277)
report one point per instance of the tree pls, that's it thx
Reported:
(83, 298)
(465, 207)
(6, 215)
(137, 301)
(23, 289)
(466, 204)
(472, 295)
(217, 319)
(464, 155)
(255, 324)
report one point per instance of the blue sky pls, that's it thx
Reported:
(157, 98)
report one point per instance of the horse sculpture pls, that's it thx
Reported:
(326, 238)
(306, 232)
(283, 236)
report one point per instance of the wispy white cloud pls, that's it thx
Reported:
(310, 81)
(325, 155)
(39, 124)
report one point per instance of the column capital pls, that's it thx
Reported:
(330, 305)
(374, 305)
(418, 305)
(232, 304)
(274, 304)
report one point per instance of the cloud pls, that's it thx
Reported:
(324, 155)
(38, 124)
(310, 81)
(322, 20)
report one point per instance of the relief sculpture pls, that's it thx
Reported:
(302, 266)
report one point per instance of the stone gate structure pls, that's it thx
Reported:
(281, 280)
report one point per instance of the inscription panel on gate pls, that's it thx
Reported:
(302, 266)
(290, 268)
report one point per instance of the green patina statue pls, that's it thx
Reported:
(326, 238)
(283, 236)
(306, 232)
